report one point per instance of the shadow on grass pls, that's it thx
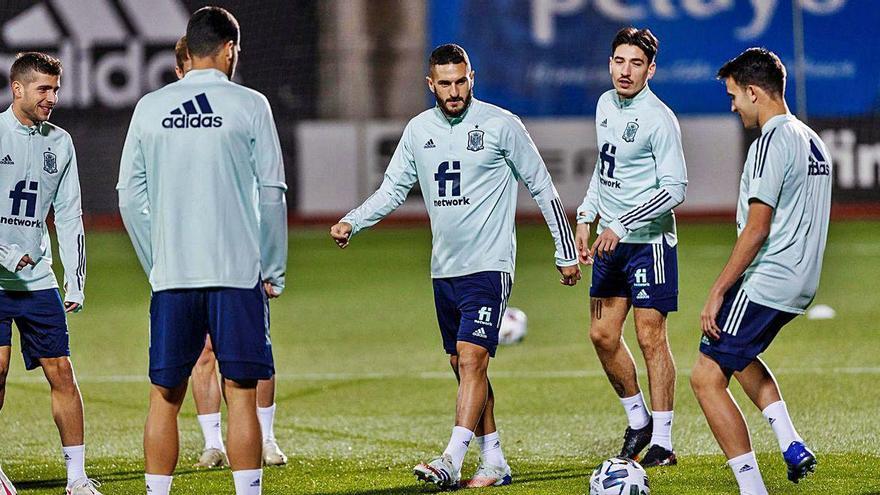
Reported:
(525, 477)
(101, 476)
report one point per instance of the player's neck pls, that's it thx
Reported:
(22, 118)
(772, 109)
(216, 63)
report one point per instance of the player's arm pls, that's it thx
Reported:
(523, 158)
(400, 176)
(134, 202)
(671, 181)
(766, 184)
(71, 235)
(587, 214)
(269, 169)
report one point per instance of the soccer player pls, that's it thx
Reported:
(205, 387)
(773, 271)
(466, 156)
(38, 171)
(201, 192)
(640, 176)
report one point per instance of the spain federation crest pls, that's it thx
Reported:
(475, 140)
(629, 134)
(50, 164)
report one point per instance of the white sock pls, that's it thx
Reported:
(636, 411)
(248, 481)
(458, 445)
(748, 476)
(158, 484)
(75, 460)
(266, 415)
(661, 434)
(490, 449)
(212, 431)
(777, 415)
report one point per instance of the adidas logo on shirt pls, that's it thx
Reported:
(430, 144)
(7, 160)
(479, 332)
(188, 116)
(643, 295)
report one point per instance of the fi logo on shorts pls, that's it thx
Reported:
(484, 316)
(187, 116)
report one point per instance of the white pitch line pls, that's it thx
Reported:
(438, 375)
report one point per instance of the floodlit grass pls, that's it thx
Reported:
(364, 389)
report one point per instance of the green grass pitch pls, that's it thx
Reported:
(364, 389)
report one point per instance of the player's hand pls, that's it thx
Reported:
(582, 241)
(340, 233)
(271, 293)
(570, 274)
(25, 261)
(72, 307)
(605, 244)
(709, 314)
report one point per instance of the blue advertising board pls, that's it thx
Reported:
(550, 57)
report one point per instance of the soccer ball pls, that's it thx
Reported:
(513, 326)
(618, 476)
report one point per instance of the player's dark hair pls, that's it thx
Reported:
(181, 52)
(756, 67)
(208, 29)
(27, 63)
(642, 38)
(449, 53)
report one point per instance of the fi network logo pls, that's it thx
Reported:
(113, 51)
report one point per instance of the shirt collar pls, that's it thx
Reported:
(14, 124)
(628, 102)
(776, 120)
(204, 74)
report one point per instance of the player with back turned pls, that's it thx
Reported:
(773, 272)
(206, 390)
(640, 176)
(466, 156)
(201, 193)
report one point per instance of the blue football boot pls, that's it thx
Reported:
(800, 461)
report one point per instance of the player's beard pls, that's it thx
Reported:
(442, 104)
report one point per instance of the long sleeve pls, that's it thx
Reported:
(134, 201)
(671, 179)
(10, 255)
(269, 168)
(589, 208)
(523, 158)
(400, 176)
(71, 235)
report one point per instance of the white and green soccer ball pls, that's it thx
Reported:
(514, 326)
(618, 476)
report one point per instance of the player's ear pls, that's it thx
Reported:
(17, 89)
(430, 84)
(652, 69)
(471, 77)
(752, 93)
(610, 63)
(230, 50)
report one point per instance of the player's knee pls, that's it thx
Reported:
(59, 373)
(603, 340)
(473, 363)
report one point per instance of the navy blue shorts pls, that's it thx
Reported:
(41, 322)
(647, 274)
(470, 308)
(237, 321)
(747, 328)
